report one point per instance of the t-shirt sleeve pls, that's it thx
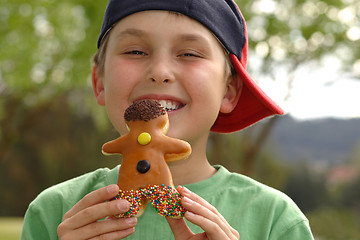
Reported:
(46, 212)
(289, 222)
(300, 231)
(37, 226)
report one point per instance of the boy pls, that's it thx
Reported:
(191, 56)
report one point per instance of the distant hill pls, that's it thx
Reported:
(327, 140)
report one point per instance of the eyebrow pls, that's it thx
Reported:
(197, 39)
(186, 37)
(131, 32)
(192, 38)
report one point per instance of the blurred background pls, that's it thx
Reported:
(305, 53)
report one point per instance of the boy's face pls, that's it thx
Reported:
(167, 57)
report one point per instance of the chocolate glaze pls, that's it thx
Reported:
(144, 110)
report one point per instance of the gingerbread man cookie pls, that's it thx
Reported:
(144, 174)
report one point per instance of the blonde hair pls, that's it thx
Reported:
(98, 59)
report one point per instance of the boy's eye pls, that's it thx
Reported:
(135, 52)
(191, 52)
(189, 55)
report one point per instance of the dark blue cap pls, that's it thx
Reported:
(221, 17)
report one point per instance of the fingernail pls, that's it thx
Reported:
(186, 200)
(189, 214)
(131, 220)
(112, 189)
(186, 191)
(129, 230)
(123, 205)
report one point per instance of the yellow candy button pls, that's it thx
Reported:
(144, 138)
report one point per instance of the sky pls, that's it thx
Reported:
(317, 92)
(340, 99)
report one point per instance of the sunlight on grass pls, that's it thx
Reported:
(10, 228)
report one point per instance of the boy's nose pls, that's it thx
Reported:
(160, 81)
(160, 71)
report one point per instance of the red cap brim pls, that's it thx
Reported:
(253, 105)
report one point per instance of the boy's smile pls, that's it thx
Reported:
(171, 105)
(168, 103)
(170, 58)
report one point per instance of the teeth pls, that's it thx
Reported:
(169, 105)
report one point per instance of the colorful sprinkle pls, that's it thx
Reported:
(165, 199)
(134, 198)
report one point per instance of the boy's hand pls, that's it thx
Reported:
(83, 220)
(203, 214)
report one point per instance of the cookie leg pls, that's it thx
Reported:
(137, 202)
(166, 200)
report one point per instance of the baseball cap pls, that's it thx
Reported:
(225, 20)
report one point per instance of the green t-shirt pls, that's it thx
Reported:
(256, 211)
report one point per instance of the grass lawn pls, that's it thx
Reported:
(10, 228)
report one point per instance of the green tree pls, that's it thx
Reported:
(56, 144)
(47, 128)
(46, 48)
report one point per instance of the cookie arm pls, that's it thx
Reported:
(176, 149)
(114, 147)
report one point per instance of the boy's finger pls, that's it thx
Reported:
(101, 228)
(99, 211)
(115, 235)
(179, 228)
(195, 204)
(196, 198)
(204, 216)
(212, 230)
(95, 197)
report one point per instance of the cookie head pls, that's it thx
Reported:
(147, 110)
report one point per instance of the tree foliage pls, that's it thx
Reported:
(51, 146)
(47, 44)
(294, 32)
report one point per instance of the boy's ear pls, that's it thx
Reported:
(232, 94)
(98, 87)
